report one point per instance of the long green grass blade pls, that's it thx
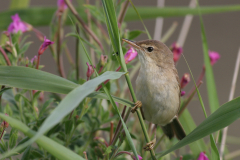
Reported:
(214, 149)
(32, 79)
(113, 30)
(69, 103)
(29, 78)
(211, 86)
(222, 117)
(57, 150)
(41, 16)
(189, 125)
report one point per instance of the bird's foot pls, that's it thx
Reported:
(149, 146)
(138, 104)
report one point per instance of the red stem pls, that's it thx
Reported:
(111, 132)
(38, 61)
(5, 56)
(119, 125)
(2, 134)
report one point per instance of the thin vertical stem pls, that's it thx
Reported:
(186, 25)
(5, 56)
(111, 132)
(231, 95)
(159, 22)
(90, 38)
(91, 33)
(59, 46)
(118, 126)
(77, 54)
(123, 12)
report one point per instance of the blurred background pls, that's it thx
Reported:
(223, 36)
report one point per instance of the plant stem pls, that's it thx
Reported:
(5, 56)
(77, 54)
(91, 33)
(119, 125)
(111, 132)
(186, 102)
(59, 46)
(186, 25)
(159, 22)
(123, 12)
(38, 61)
(231, 95)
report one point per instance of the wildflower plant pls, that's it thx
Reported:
(85, 113)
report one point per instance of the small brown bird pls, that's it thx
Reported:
(158, 88)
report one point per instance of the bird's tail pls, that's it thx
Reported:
(174, 128)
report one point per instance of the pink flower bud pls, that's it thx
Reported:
(185, 80)
(214, 57)
(139, 157)
(177, 51)
(183, 93)
(44, 46)
(202, 156)
(103, 60)
(62, 5)
(34, 60)
(130, 55)
(17, 25)
(5, 123)
(90, 70)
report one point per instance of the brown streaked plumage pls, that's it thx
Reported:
(157, 87)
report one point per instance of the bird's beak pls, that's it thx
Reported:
(132, 43)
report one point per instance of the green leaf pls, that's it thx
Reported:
(69, 103)
(133, 34)
(189, 125)
(42, 16)
(57, 150)
(13, 138)
(224, 116)
(29, 78)
(26, 153)
(211, 86)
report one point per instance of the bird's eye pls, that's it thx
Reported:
(150, 49)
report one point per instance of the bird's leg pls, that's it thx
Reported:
(149, 146)
(138, 104)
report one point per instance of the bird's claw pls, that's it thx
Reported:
(149, 146)
(138, 104)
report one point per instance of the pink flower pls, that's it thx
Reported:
(183, 93)
(202, 156)
(34, 60)
(17, 25)
(177, 51)
(44, 46)
(185, 80)
(139, 157)
(130, 55)
(90, 70)
(62, 5)
(214, 57)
